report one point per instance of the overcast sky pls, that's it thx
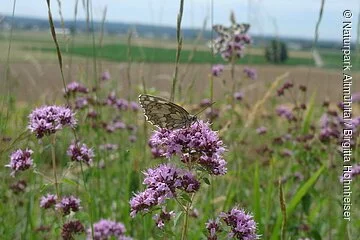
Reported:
(293, 18)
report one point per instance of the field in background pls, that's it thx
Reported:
(26, 44)
(33, 66)
(31, 80)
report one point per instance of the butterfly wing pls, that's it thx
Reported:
(224, 32)
(218, 45)
(240, 28)
(162, 113)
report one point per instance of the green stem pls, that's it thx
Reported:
(129, 61)
(233, 80)
(7, 85)
(211, 96)
(73, 40)
(178, 50)
(212, 62)
(90, 201)
(94, 50)
(59, 214)
(53, 34)
(186, 219)
(186, 222)
(54, 165)
(212, 194)
(318, 24)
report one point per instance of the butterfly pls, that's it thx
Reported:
(165, 114)
(235, 29)
(226, 34)
(218, 44)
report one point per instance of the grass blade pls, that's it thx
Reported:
(256, 197)
(283, 210)
(296, 200)
(308, 114)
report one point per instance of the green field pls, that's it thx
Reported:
(119, 53)
(116, 49)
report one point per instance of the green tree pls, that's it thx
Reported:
(276, 52)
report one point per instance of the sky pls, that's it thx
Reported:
(290, 18)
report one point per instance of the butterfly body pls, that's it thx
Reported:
(165, 114)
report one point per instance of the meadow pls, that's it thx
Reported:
(80, 161)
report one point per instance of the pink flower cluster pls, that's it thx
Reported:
(20, 160)
(81, 153)
(196, 144)
(47, 120)
(162, 183)
(241, 225)
(107, 229)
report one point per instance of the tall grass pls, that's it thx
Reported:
(295, 207)
(58, 52)
(179, 41)
(6, 99)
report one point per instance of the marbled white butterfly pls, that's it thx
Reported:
(226, 34)
(164, 114)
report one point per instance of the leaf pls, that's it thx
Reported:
(87, 175)
(343, 233)
(168, 233)
(43, 187)
(134, 181)
(47, 146)
(69, 181)
(177, 218)
(186, 197)
(230, 195)
(306, 203)
(206, 180)
(316, 235)
(304, 190)
(296, 200)
(126, 156)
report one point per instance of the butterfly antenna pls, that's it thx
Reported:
(205, 108)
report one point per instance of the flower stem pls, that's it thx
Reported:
(59, 214)
(90, 201)
(212, 62)
(233, 89)
(186, 219)
(54, 165)
(211, 96)
(186, 222)
(129, 61)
